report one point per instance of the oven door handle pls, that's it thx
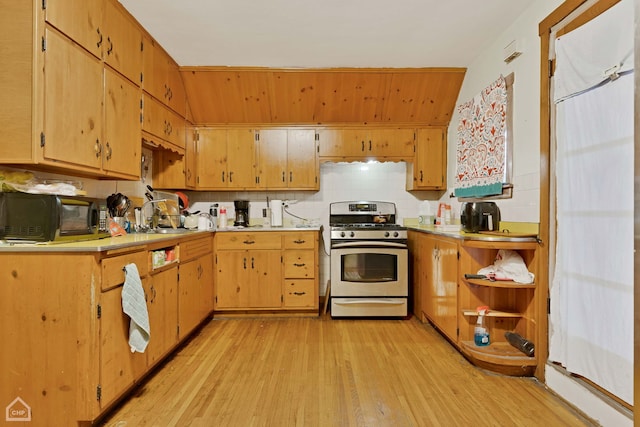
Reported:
(369, 244)
(369, 301)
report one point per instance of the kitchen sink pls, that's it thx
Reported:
(170, 231)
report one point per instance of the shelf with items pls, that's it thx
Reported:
(164, 257)
(492, 313)
(513, 307)
(500, 357)
(500, 284)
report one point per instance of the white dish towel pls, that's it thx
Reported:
(134, 305)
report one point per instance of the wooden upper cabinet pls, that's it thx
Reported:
(225, 159)
(163, 123)
(429, 168)
(80, 20)
(272, 158)
(72, 134)
(241, 163)
(287, 159)
(211, 158)
(367, 143)
(122, 152)
(302, 159)
(123, 43)
(161, 77)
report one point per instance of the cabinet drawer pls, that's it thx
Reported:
(300, 293)
(195, 248)
(299, 264)
(113, 268)
(240, 240)
(302, 240)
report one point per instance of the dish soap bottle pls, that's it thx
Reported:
(222, 219)
(480, 332)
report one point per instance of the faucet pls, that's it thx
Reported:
(146, 224)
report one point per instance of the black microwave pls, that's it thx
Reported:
(49, 217)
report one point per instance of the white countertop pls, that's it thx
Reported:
(129, 240)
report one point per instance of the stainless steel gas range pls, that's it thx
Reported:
(369, 260)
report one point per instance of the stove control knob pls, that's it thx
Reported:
(342, 234)
(395, 234)
(352, 234)
(386, 234)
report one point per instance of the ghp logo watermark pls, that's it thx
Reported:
(18, 410)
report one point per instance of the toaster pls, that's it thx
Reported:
(479, 216)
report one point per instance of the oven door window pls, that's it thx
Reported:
(369, 267)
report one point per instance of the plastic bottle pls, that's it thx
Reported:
(213, 212)
(480, 332)
(222, 219)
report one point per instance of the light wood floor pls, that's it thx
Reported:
(327, 372)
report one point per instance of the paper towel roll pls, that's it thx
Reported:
(425, 208)
(276, 213)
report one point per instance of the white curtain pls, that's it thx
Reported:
(591, 320)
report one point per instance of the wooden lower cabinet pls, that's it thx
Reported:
(448, 300)
(162, 303)
(67, 354)
(248, 279)
(439, 296)
(119, 367)
(278, 273)
(195, 284)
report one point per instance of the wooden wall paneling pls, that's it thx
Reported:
(425, 97)
(328, 97)
(224, 96)
(316, 96)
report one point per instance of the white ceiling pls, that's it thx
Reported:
(325, 33)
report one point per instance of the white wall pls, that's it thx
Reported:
(488, 66)
(525, 204)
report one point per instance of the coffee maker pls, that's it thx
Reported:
(242, 213)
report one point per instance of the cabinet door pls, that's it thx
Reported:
(355, 142)
(122, 149)
(232, 280)
(265, 278)
(445, 288)
(195, 293)
(241, 164)
(119, 367)
(427, 276)
(155, 68)
(177, 97)
(73, 87)
(430, 162)
(272, 159)
(80, 20)
(390, 143)
(416, 287)
(190, 158)
(211, 159)
(302, 159)
(329, 142)
(163, 314)
(123, 43)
